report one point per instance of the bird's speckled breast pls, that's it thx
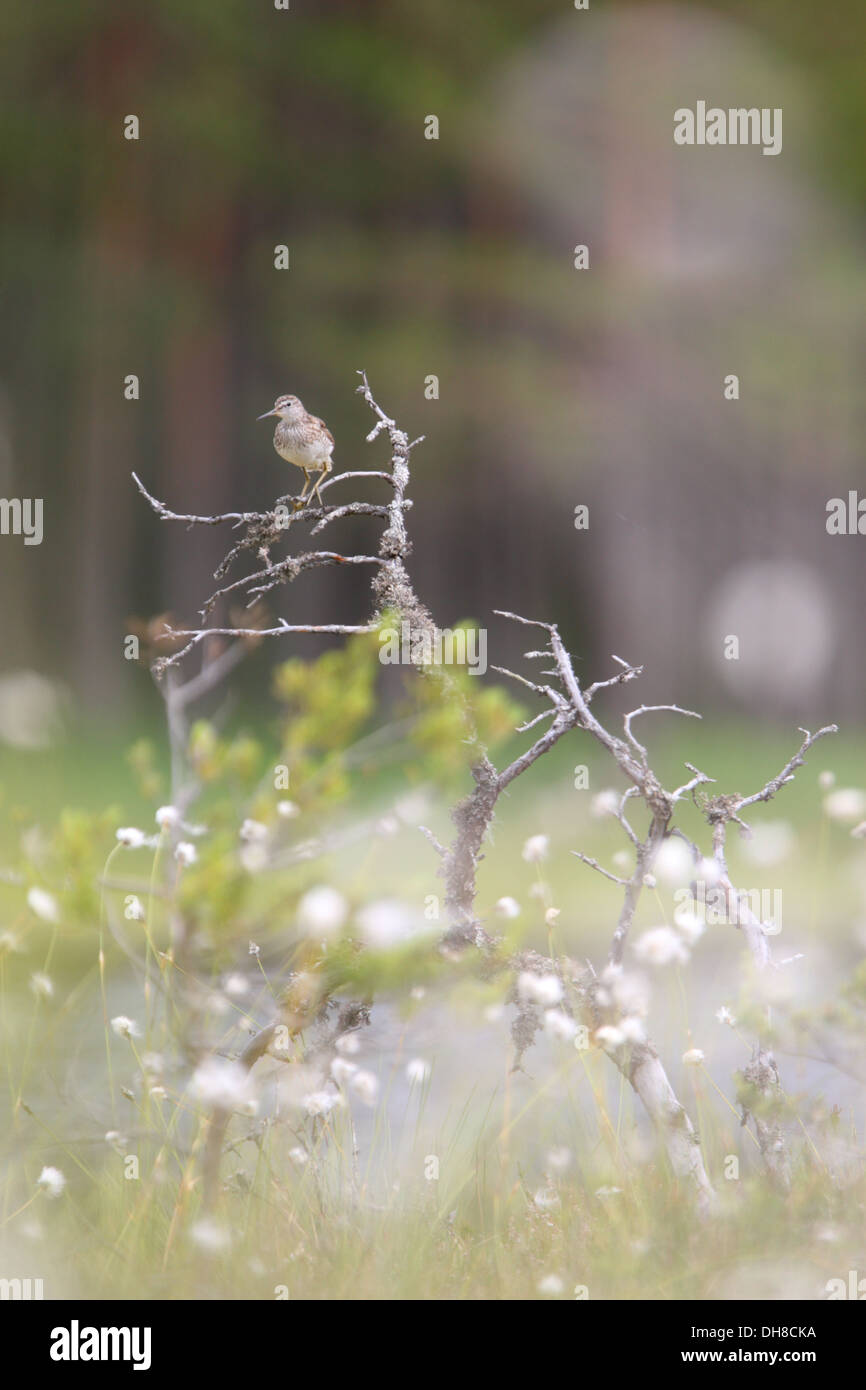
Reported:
(304, 447)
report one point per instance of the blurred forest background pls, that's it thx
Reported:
(412, 257)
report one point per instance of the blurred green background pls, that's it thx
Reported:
(413, 257)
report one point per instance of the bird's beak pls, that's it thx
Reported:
(266, 414)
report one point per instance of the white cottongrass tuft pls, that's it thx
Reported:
(539, 989)
(558, 1025)
(341, 1070)
(134, 909)
(414, 807)
(185, 853)
(130, 837)
(632, 1029)
(253, 856)
(387, 827)
(167, 817)
(288, 810)
(536, 848)
(694, 1057)
(252, 831)
(51, 1181)
(689, 924)
(210, 1237)
(673, 863)
(770, 843)
(724, 1015)
(125, 1027)
(42, 985)
(218, 1081)
(321, 912)
(321, 1102)
(559, 1158)
(826, 780)
(826, 1231)
(608, 1036)
(708, 872)
(366, 1086)
(661, 946)
(387, 923)
(417, 1071)
(551, 1286)
(627, 989)
(44, 905)
(552, 915)
(846, 804)
(507, 907)
(349, 1044)
(605, 803)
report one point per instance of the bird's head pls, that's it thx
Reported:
(286, 407)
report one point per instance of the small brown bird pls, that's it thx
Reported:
(304, 440)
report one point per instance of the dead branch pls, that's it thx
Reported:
(568, 708)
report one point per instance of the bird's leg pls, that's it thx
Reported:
(299, 501)
(323, 474)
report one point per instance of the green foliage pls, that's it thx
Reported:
(454, 715)
(204, 751)
(327, 703)
(213, 892)
(142, 759)
(243, 759)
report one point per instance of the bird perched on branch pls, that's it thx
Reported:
(304, 440)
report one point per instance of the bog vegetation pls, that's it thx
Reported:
(412, 990)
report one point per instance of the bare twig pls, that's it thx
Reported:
(651, 709)
(787, 774)
(594, 864)
(264, 530)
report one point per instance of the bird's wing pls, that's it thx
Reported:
(323, 427)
